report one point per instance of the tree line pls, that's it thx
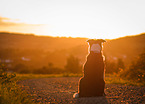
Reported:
(135, 71)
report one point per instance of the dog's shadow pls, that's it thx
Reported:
(91, 100)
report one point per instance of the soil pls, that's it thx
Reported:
(61, 90)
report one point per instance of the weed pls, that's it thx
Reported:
(10, 93)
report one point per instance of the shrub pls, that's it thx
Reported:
(114, 67)
(111, 67)
(21, 68)
(10, 93)
(72, 65)
(136, 71)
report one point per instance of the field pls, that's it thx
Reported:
(60, 89)
(109, 78)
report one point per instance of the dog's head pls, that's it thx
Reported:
(96, 45)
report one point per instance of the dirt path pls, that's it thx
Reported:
(61, 90)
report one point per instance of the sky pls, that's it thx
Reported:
(107, 19)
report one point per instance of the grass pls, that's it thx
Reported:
(10, 92)
(109, 78)
(20, 77)
(115, 79)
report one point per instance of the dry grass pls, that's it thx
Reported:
(109, 78)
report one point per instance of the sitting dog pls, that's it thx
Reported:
(92, 83)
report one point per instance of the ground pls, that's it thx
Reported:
(61, 90)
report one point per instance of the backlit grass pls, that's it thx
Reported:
(36, 76)
(109, 78)
(115, 79)
(10, 93)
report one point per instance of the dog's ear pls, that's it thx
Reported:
(102, 40)
(89, 40)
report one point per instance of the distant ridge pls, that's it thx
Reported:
(31, 41)
(126, 48)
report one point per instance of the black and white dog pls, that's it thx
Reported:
(92, 83)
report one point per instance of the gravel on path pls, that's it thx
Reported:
(61, 90)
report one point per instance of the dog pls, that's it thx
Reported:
(92, 83)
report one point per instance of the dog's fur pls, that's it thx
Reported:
(92, 83)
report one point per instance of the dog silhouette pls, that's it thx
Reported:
(92, 83)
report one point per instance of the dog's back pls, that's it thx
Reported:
(94, 66)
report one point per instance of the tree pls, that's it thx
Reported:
(73, 65)
(140, 63)
(50, 65)
(120, 64)
(136, 71)
(111, 67)
(21, 68)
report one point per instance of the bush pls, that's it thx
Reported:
(136, 71)
(5, 78)
(21, 68)
(113, 67)
(10, 93)
(73, 65)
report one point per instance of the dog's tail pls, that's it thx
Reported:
(76, 95)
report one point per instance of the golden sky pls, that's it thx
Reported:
(76, 18)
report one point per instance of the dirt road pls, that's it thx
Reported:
(61, 90)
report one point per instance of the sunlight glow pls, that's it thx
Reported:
(90, 18)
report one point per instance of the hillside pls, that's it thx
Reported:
(30, 41)
(126, 48)
(41, 50)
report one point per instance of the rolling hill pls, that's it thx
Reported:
(44, 49)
